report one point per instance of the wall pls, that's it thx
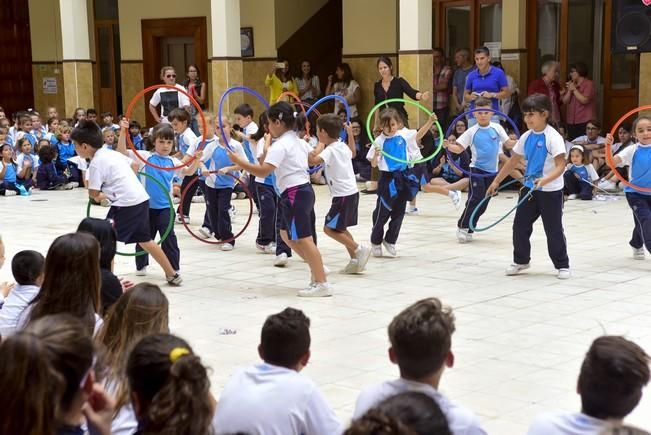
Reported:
(261, 16)
(291, 15)
(45, 30)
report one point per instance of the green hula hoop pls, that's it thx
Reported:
(170, 225)
(413, 103)
(524, 199)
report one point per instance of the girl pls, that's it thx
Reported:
(40, 143)
(47, 175)
(287, 156)
(65, 151)
(10, 185)
(397, 183)
(169, 387)
(140, 312)
(579, 175)
(80, 114)
(309, 137)
(610, 182)
(26, 163)
(71, 282)
(52, 126)
(109, 138)
(361, 166)
(543, 148)
(638, 158)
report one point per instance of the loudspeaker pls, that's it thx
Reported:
(631, 27)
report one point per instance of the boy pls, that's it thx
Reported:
(107, 122)
(25, 129)
(273, 397)
(27, 268)
(485, 140)
(109, 138)
(613, 375)
(91, 115)
(337, 159)
(186, 147)
(134, 131)
(244, 118)
(421, 338)
(112, 174)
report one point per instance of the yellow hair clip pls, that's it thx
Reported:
(177, 353)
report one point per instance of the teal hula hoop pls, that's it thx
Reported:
(524, 199)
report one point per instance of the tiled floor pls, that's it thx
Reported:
(519, 340)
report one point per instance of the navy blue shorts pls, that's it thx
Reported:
(343, 212)
(296, 211)
(131, 223)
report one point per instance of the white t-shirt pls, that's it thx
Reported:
(269, 400)
(566, 424)
(288, 155)
(20, 159)
(592, 174)
(339, 169)
(338, 89)
(259, 150)
(169, 99)
(24, 317)
(490, 139)
(462, 421)
(14, 305)
(554, 145)
(110, 172)
(125, 421)
(190, 140)
(584, 140)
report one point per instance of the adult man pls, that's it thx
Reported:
(485, 81)
(441, 87)
(464, 66)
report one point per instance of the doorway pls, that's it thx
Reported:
(107, 54)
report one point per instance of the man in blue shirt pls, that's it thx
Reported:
(485, 81)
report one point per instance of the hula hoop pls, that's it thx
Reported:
(221, 108)
(327, 98)
(413, 103)
(451, 127)
(128, 116)
(609, 151)
(524, 199)
(246, 225)
(170, 225)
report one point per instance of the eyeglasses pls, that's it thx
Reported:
(592, 128)
(171, 76)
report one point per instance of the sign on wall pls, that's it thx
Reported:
(49, 85)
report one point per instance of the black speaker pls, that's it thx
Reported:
(631, 27)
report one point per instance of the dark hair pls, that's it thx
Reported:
(47, 153)
(497, 64)
(91, 111)
(418, 411)
(439, 50)
(421, 337)
(162, 131)
(581, 68)
(331, 124)
(285, 338)
(387, 115)
(376, 422)
(179, 114)
(283, 112)
(595, 123)
(537, 103)
(195, 67)
(300, 70)
(88, 133)
(263, 122)
(613, 374)
(51, 120)
(386, 60)
(244, 109)
(27, 266)
(483, 50)
(134, 124)
(639, 118)
(105, 234)
(348, 73)
(280, 73)
(483, 102)
(171, 385)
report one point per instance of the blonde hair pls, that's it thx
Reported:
(165, 69)
(63, 129)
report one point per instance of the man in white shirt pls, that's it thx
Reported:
(273, 398)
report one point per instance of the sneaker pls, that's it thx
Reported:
(226, 247)
(563, 274)
(185, 218)
(270, 248)
(198, 199)
(232, 212)
(316, 290)
(74, 184)
(514, 269)
(176, 200)
(241, 195)
(233, 195)
(204, 232)
(572, 196)
(326, 270)
(281, 260)
(10, 193)
(608, 185)
(463, 236)
(376, 250)
(455, 197)
(363, 253)
(390, 247)
(412, 210)
(638, 253)
(351, 268)
(23, 191)
(105, 202)
(141, 272)
(175, 280)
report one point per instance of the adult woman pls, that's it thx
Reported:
(579, 96)
(197, 89)
(548, 85)
(309, 87)
(279, 81)
(343, 84)
(168, 98)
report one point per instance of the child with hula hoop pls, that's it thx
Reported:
(543, 148)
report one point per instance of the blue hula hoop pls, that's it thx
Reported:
(524, 199)
(454, 122)
(311, 108)
(221, 107)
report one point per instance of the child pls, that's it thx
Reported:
(244, 119)
(187, 143)
(210, 141)
(638, 158)
(448, 180)
(47, 175)
(274, 397)
(609, 181)
(52, 126)
(361, 166)
(485, 140)
(107, 122)
(79, 115)
(397, 183)
(337, 159)
(52, 112)
(134, 131)
(10, 185)
(169, 387)
(65, 151)
(579, 175)
(109, 138)
(562, 129)
(163, 139)
(219, 187)
(25, 129)
(26, 163)
(543, 149)
(4, 135)
(613, 375)
(38, 129)
(27, 268)
(287, 157)
(421, 340)
(130, 202)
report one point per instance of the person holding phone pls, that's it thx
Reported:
(279, 80)
(486, 81)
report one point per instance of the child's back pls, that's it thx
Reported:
(27, 268)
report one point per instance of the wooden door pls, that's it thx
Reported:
(16, 87)
(107, 65)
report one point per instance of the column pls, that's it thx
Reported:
(415, 55)
(514, 42)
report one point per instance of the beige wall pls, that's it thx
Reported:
(225, 19)
(415, 24)
(514, 17)
(74, 29)
(254, 72)
(645, 85)
(78, 85)
(132, 83)
(45, 28)
(291, 15)
(417, 70)
(42, 100)
(261, 16)
(370, 26)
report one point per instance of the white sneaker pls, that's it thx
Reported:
(281, 260)
(463, 236)
(232, 212)
(376, 250)
(105, 202)
(514, 269)
(233, 195)
(176, 200)
(351, 268)
(204, 232)
(179, 221)
(638, 253)
(455, 196)
(564, 274)
(316, 290)
(226, 247)
(390, 247)
(198, 199)
(141, 272)
(412, 210)
(266, 249)
(363, 253)
(74, 184)
(607, 185)
(175, 280)
(10, 193)
(241, 195)
(572, 196)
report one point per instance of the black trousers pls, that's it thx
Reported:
(386, 209)
(158, 221)
(477, 192)
(549, 206)
(268, 227)
(641, 206)
(576, 130)
(184, 207)
(443, 116)
(574, 186)
(218, 203)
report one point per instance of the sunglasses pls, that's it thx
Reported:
(171, 76)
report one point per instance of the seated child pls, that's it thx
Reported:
(65, 151)
(10, 185)
(48, 176)
(579, 175)
(110, 138)
(26, 162)
(27, 268)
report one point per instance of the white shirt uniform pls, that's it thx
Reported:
(20, 161)
(110, 172)
(339, 169)
(554, 145)
(14, 305)
(566, 424)
(288, 155)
